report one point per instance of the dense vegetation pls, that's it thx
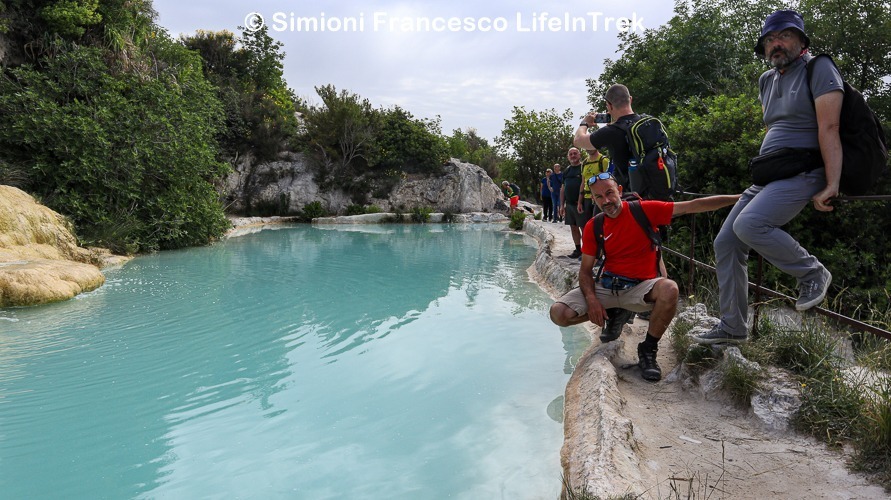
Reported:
(127, 131)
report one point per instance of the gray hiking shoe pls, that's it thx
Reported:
(718, 336)
(646, 361)
(613, 327)
(812, 292)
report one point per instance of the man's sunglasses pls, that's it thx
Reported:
(600, 177)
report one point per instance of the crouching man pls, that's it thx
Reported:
(629, 280)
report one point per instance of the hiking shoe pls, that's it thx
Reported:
(718, 336)
(646, 360)
(613, 326)
(812, 292)
(644, 315)
(575, 254)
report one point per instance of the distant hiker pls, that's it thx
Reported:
(571, 201)
(595, 164)
(547, 213)
(512, 193)
(555, 183)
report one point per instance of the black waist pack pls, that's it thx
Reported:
(783, 163)
(616, 282)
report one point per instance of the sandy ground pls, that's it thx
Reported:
(687, 446)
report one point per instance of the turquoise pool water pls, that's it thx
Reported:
(381, 362)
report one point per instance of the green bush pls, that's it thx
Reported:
(421, 214)
(517, 219)
(129, 158)
(355, 210)
(313, 210)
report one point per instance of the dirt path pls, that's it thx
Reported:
(665, 439)
(714, 449)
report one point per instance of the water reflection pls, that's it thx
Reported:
(269, 362)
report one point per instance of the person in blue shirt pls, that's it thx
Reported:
(555, 182)
(547, 202)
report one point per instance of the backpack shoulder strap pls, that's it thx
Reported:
(644, 222)
(598, 234)
(809, 71)
(598, 237)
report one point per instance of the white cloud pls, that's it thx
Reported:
(467, 77)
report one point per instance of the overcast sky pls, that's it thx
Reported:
(495, 55)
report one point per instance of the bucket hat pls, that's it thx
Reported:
(778, 21)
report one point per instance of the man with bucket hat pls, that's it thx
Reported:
(800, 161)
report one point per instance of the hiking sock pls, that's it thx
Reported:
(651, 341)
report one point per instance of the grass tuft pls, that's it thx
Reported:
(741, 381)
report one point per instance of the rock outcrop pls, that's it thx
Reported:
(285, 186)
(462, 188)
(40, 261)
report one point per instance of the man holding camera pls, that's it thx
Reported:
(630, 279)
(611, 137)
(802, 140)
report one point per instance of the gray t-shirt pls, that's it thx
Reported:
(788, 108)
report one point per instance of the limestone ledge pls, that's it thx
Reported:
(468, 218)
(40, 261)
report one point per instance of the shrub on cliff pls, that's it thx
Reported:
(128, 155)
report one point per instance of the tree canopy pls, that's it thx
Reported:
(531, 142)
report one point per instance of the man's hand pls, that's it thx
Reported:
(596, 312)
(823, 199)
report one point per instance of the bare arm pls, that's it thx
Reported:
(596, 311)
(706, 204)
(828, 108)
(581, 139)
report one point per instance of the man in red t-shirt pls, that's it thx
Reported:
(630, 278)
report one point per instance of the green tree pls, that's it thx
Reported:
(533, 141)
(407, 144)
(469, 147)
(857, 34)
(130, 160)
(259, 107)
(69, 17)
(705, 49)
(337, 134)
(363, 150)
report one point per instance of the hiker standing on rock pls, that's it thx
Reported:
(629, 277)
(800, 161)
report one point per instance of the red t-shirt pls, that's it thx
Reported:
(629, 252)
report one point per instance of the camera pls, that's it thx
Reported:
(602, 118)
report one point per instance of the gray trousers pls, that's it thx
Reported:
(754, 223)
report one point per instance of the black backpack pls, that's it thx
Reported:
(864, 147)
(642, 220)
(655, 177)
